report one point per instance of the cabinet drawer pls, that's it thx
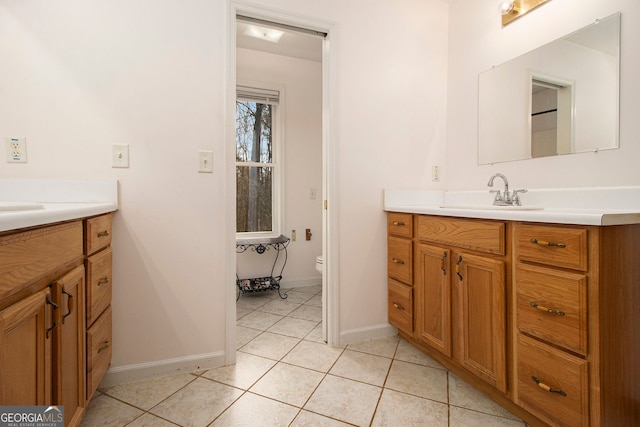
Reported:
(557, 246)
(483, 236)
(558, 370)
(38, 254)
(400, 307)
(98, 351)
(97, 233)
(98, 284)
(400, 259)
(400, 224)
(552, 305)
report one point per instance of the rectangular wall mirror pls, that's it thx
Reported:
(560, 98)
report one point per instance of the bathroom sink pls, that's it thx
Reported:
(492, 207)
(19, 206)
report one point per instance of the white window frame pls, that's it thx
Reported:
(278, 176)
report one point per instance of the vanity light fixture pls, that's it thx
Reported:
(264, 33)
(513, 9)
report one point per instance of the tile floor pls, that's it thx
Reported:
(286, 376)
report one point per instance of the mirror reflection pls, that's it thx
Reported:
(561, 98)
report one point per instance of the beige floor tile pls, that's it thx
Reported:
(399, 409)
(418, 380)
(316, 356)
(307, 312)
(463, 395)
(244, 335)
(316, 301)
(408, 353)
(247, 370)
(252, 411)
(385, 347)
(309, 419)
(288, 383)
(259, 320)
(364, 367)
(198, 403)
(242, 311)
(253, 301)
(148, 420)
(279, 306)
(297, 328)
(105, 411)
(271, 346)
(315, 289)
(316, 335)
(147, 394)
(460, 417)
(346, 400)
(298, 297)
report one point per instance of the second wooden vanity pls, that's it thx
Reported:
(543, 318)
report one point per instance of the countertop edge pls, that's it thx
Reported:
(53, 213)
(577, 216)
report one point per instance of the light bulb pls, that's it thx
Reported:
(506, 6)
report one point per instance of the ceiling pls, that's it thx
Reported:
(292, 43)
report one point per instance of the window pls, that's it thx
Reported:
(257, 170)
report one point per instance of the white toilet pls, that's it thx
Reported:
(319, 263)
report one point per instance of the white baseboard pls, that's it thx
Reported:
(370, 333)
(301, 283)
(142, 371)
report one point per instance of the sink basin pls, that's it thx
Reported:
(492, 207)
(19, 206)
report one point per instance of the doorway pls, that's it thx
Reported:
(308, 31)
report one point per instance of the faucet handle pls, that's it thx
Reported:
(498, 198)
(516, 199)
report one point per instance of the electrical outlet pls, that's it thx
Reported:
(120, 156)
(312, 194)
(435, 173)
(16, 148)
(205, 161)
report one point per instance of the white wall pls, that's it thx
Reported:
(477, 42)
(79, 75)
(302, 109)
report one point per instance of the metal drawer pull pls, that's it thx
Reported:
(397, 261)
(458, 266)
(69, 304)
(400, 223)
(104, 233)
(398, 306)
(106, 345)
(103, 281)
(545, 309)
(547, 388)
(545, 243)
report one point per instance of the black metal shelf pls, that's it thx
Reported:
(268, 283)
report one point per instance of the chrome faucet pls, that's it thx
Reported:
(506, 198)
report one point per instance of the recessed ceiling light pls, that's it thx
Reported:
(263, 33)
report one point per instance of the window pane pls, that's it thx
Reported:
(253, 132)
(254, 209)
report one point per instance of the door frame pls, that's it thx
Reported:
(330, 307)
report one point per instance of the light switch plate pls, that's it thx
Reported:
(120, 156)
(205, 161)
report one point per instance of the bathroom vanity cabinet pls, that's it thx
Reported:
(540, 317)
(43, 324)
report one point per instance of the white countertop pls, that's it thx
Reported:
(593, 206)
(56, 200)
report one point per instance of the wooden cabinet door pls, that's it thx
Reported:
(479, 313)
(433, 298)
(69, 345)
(25, 351)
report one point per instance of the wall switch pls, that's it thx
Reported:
(205, 161)
(312, 194)
(16, 148)
(435, 173)
(293, 235)
(120, 156)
